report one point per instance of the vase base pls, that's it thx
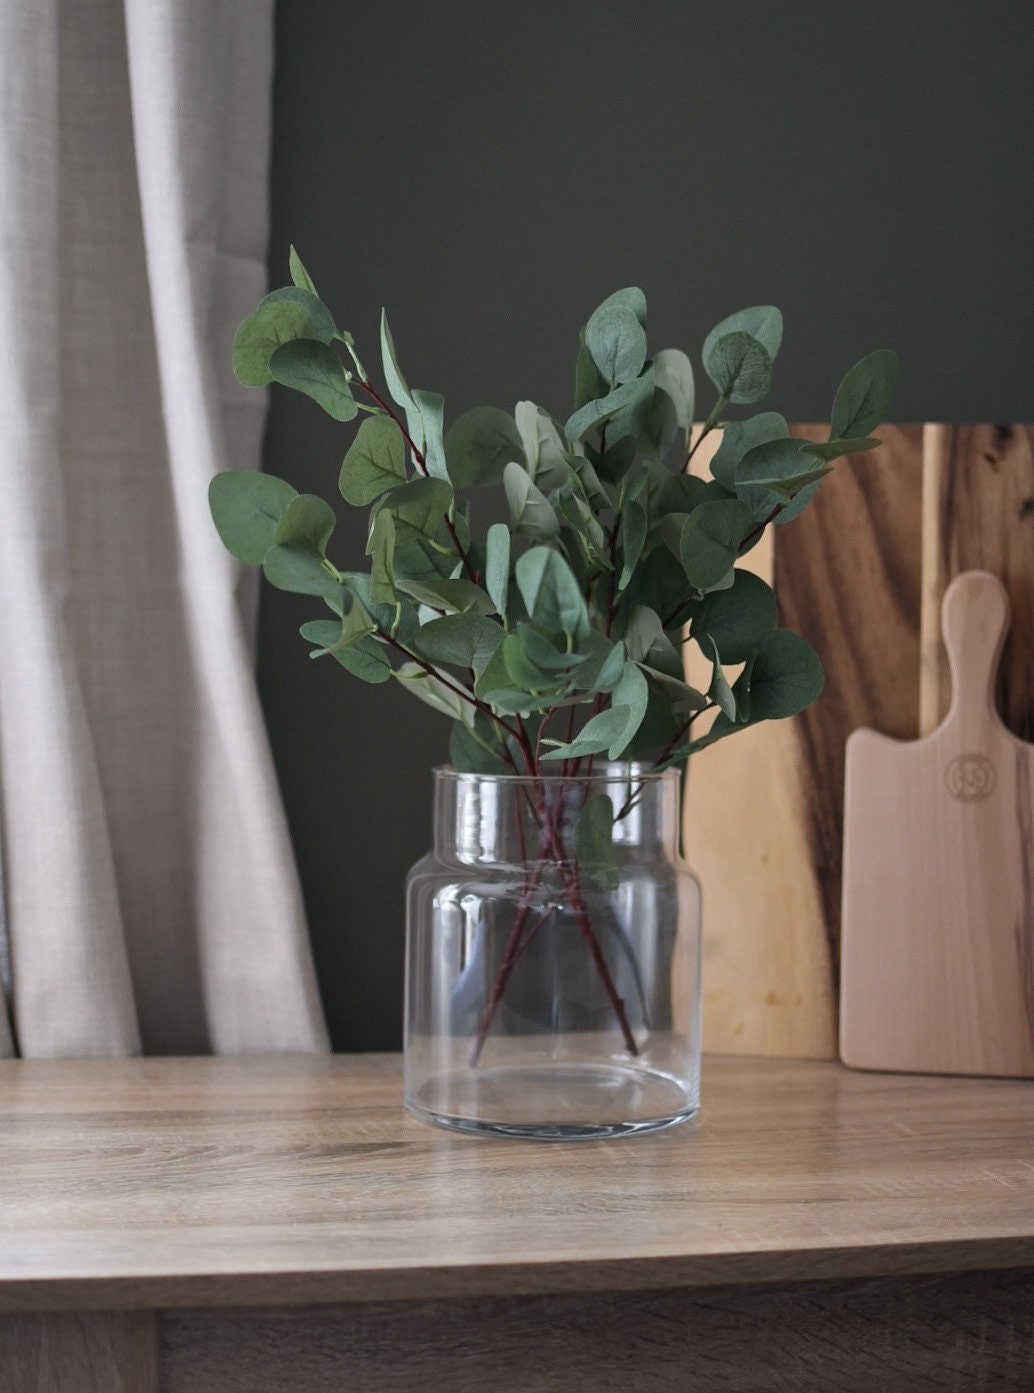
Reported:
(573, 1102)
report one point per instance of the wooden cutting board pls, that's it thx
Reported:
(937, 931)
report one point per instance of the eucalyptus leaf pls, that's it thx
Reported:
(284, 315)
(617, 343)
(863, 397)
(374, 463)
(830, 450)
(738, 618)
(588, 384)
(366, 660)
(497, 566)
(315, 369)
(246, 507)
(673, 374)
(720, 691)
(596, 735)
(298, 570)
(710, 541)
(740, 367)
(522, 669)
(787, 676)
(299, 275)
(398, 387)
(420, 504)
(544, 455)
(431, 406)
(739, 437)
(634, 525)
(307, 523)
(457, 596)
(602, 668)
(594, 840)
(630, 298)
(476, 749)
(761, 322)
(464, 640)
(479, 444)
(596, 413)
(529, 508)
(436, 689)
(550, 592)
(380, 548)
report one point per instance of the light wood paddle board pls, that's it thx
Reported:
(937, 947)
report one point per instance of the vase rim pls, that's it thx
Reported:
(605, 772)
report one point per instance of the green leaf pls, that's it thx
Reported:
(381, 550)
(458, 596)
(594, 841)
(315, 369)
(479, 445)
(543, 449)
(630, 298)
(760, 469)
(631, 692)
(375, 462)
(497, 565)
(246, 507)
(354, 626)
(475, 749)
(588, 384)
(529, 507)
(464, 640)
(298, 570)
(365, 659)
(679, 697)
(595, 413)
(634, 524)
(299, 275)
(740, 367)
(636, 418)
(595, 736)
(283, 315)
(761, 322)
(522, 669)
(673, 374)
(836, 449)
(710, 541)
(738, 437)
(551, 593)
(787, 676)
(420, 504)
(719, 691)
(741, 690)
(398, 387)
(431, 406)
(738, 618)
(617, 342)
(436, 689)
(863, 398)
(601, 669)
(307, 522)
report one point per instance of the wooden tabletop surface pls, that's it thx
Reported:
(237, 1181)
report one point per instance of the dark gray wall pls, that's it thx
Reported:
(489, 172)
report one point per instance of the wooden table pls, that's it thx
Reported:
(279, 1223)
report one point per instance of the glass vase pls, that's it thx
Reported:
(553, 957)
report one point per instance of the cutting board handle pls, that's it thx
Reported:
(974, 621)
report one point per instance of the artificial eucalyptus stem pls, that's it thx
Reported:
(580, 598)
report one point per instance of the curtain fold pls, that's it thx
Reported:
(151, 898)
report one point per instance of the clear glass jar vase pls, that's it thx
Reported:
(553, 957)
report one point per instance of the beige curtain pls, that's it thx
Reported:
(151, 901)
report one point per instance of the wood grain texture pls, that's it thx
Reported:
(971, 1332)
(847, 574)
(220, 1181)
(79, 1352)
(938, 917)
(979, 515)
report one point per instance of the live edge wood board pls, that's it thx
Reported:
(861, 575)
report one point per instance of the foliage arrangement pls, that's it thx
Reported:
(556, 638)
